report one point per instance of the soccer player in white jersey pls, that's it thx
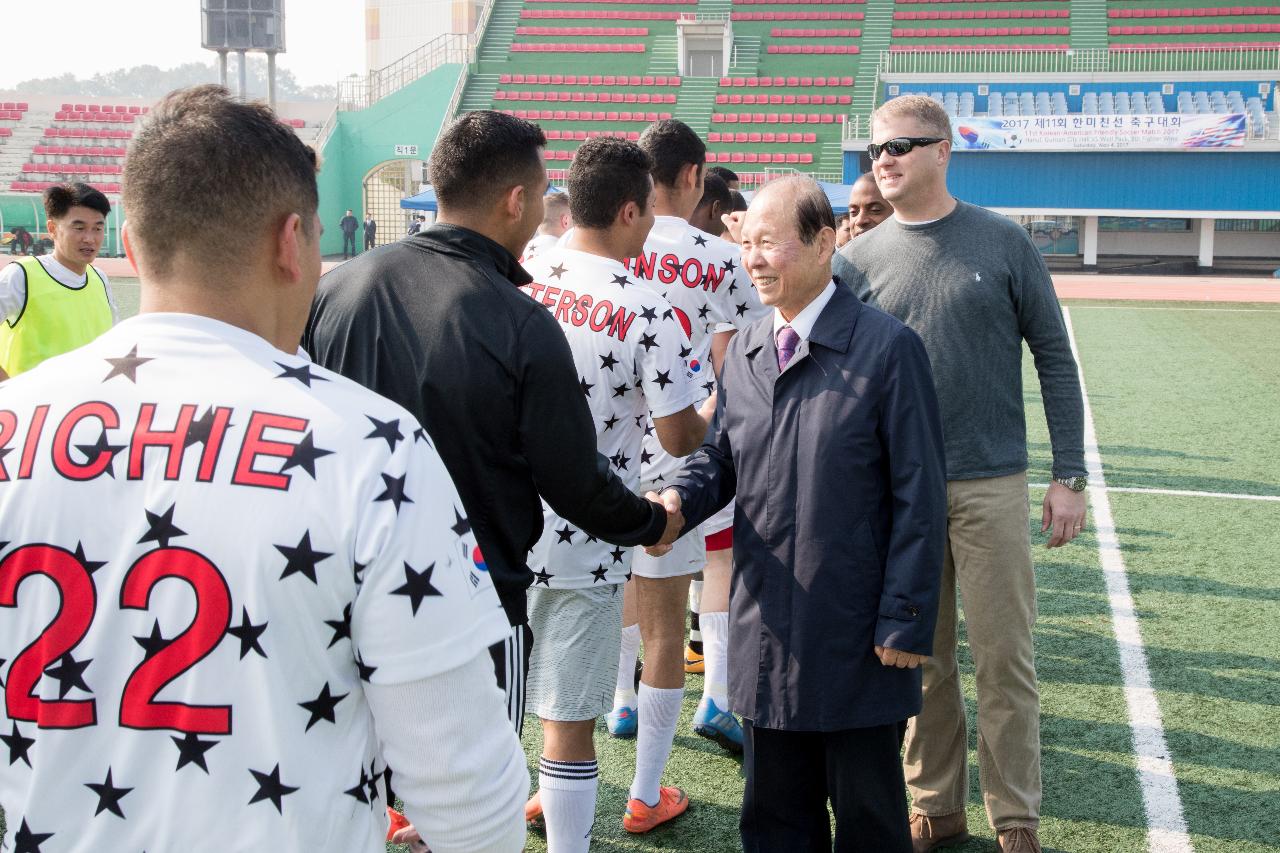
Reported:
(631, 354)
(704, 280)
(556, 220)
(236, 590)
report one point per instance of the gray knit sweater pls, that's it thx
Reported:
(974, 288)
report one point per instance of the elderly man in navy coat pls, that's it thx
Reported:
(828, 433)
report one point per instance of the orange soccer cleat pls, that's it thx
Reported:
(641, 817)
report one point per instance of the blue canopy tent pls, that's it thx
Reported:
(838, 194)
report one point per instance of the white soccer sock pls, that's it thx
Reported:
(715, 645)
(568, 793)
(659, 709)
(624, 692)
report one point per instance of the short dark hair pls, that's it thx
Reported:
(60, 198)
(207, 169)
(725, 174)
(715, 189)
(605, 174)
(672, 145)
(554, 206)
(739, 201)
(481, 156)
(813, 210)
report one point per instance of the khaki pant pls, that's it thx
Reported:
(989, 558)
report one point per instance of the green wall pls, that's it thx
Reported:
(365, 138)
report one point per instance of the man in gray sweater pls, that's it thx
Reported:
(974, 288)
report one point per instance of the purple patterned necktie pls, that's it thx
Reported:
(787, 341)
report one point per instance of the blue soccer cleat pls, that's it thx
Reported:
(621, 722)
(719, 726)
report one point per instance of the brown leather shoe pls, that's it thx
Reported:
(1020, 839)
(931, 832)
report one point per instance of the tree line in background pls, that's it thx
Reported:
(150, 81)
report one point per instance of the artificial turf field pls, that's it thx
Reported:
(1184, 397)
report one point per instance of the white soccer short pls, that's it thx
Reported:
(688, 556)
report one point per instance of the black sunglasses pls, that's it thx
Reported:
(901, 145)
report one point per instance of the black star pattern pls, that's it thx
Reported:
(420, 434)
(153, 643)
(302, 559)
(620, 390)
(93, 453)
(685, 351)
(617, 553)
(357, 790)
(366, 672)
(611, 423)
(372, 784)
(109, 796)
(663, 378)
(709, 386)
(639, 420)
(18, 744)
(591, 538)
(649, 342)
(649, 314)
(26, 841)
(607, 362)
(732, 286)
(341, 627)
(558, 271)
(357, 569)
(304, 456)
(741, 308)
(90, 566)
(699, 239)
(199, 430)
(70, 674)
(622, 280)
(729, 265)
(620, 461)
(585, 386)
(191, 750)
(566, 534)
(302, 373)
(668, 314)
(543, 577)
(160, 527)
(645, 457)
(248, 633)
(393, 490)
(417, 585)
(648, 430)
(322, 707)
(461, 526)
(659, 479)
(389, 431)
(598, 573)
(127, 365)
(703, 312)
(270, 788)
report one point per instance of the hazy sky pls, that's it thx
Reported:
(325, 39)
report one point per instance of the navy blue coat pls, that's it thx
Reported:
(840, 527)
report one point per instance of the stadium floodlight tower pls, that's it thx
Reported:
(242, 26)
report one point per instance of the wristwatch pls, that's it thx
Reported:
(1075, 484)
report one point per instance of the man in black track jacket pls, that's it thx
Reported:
(437, 323)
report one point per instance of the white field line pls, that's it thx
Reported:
(1178, 493)
(1176, 308)
(1166, 826)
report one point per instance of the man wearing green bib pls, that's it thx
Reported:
(55, 303)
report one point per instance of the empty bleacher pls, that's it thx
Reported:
(1135, 25)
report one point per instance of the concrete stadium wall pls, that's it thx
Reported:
(365, 138)
(1226, 244)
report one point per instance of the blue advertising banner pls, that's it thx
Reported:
(1098, 132)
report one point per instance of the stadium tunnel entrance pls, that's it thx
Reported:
(385, 185)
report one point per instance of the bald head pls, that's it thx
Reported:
(867, 207)
(788, 237)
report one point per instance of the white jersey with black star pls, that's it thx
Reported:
(210, 546)
(631, 356)
(703, 278)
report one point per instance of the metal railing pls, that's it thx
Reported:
(356, 93)
(705, 17)
(1110, 60)
(326, 130)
